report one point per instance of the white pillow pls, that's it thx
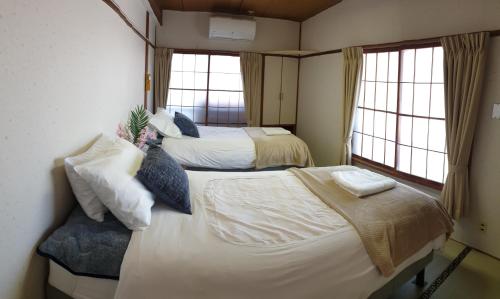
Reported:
(112, 179)
(104, 146)
(163, 122)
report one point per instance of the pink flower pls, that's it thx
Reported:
(122, 132)
(146, 134)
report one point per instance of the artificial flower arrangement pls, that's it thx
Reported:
(136, 129)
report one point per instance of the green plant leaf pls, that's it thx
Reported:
(138, 120)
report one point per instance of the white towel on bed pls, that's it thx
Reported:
(361, 182)
(276, 131)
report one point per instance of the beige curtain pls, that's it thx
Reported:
(353, 66)
(163, 62)
(464, 63)
(251, 73)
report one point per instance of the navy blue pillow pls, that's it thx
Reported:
(166, 179)
(186, 125)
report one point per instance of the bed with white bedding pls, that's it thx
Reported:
(225, 148)
(251, 235)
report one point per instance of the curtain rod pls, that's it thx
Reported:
(413, 42)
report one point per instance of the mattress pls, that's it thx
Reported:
(251, 235)
(77, 286)
(217, 148)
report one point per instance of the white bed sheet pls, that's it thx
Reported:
(182, 256)
(217, 148)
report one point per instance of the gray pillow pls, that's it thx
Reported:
(186, 125)
(166, 179)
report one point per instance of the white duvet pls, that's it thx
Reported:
(251, 235)
(217, 148)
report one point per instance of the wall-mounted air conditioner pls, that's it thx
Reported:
(232, 28)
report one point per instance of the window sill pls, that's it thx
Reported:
(357, 160)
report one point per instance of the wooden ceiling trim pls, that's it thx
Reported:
(156, 10)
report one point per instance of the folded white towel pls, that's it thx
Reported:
(361, 182)
(275, 131)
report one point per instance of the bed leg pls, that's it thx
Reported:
(420, 279)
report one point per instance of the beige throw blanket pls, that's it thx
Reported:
(392, 225)
(279, 150)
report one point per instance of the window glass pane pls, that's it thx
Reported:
(200, 98)
(212, 115)
(188, 62)
(358, 122)
(407, 68)
(356, 143)
(174, 97)
(367, 146)
(224, 99)
(421, 99)
(390, 151)
(392, 97)
(174, 109)
(423, 65)
(406, 105)
(213, 98)
(363, 77)
(435, 163)
(437, 66)
(381, 96)
(404, 158)
(177, 62)
(201, 63)
(187, 98)
(419, 162)
(188, 80)
(382, 65)
(379, 127)
(234, 99)
(368, 122)
(391, 127)
(437, 100)
(437, 135)
(188, 111)
(420, 130)
(369, 95)
(200, 80)
(405, 129)
(199, 115)
(175, 80)
(233, 115)
(393, 66)
(361, 98)
(371, 61)
(223, 115)
(378, 150)
(225, 64)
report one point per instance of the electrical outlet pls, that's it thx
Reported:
(483, 227)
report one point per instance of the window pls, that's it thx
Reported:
(399, 124)
(207, 88)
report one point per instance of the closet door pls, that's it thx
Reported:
(272, 91)
(289, 77)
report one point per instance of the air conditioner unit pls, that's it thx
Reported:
(232, 28)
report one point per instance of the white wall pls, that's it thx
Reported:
(361, 22)
(69, 70)
(189, 30)
(319, 117)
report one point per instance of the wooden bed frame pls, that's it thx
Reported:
(416, 269)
